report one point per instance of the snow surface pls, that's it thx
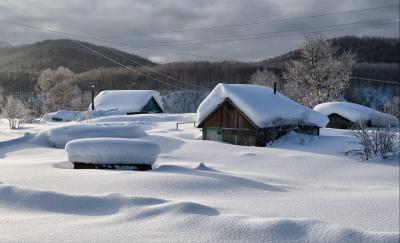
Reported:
(199, 190)
(112, 151)
(357, 113)
(68, 116)
(261, 105)
(125, 100)
(58, 137)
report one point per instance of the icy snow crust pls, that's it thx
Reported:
(125, 100)
(261, 105)
(112, 151)
(357, 113)
(58, 137)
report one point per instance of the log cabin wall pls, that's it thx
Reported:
(228, 124)
(337, 121)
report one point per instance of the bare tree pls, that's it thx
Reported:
(15, 111)
(320, 75)
(58, 89)
(266, 78)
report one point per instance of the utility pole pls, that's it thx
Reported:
(275, 87)
(92, 97)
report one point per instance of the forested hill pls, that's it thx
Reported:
(368, 50)
(55, 53)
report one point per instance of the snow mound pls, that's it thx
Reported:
(63, 116)
(28, 199)
(112, 151)
(261, 105)
(125, 100)
(357, 113)
(68, 116)
(58, 137)
(159, 117)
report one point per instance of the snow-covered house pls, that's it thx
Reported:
(129, 101)
(253, 115)
(345, 115)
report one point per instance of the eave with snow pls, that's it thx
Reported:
(345, 115)
(253, 115)
(129, 101)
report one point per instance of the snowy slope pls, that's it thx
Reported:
(199, 191)
(357, 113)
(261, 105)
(125, 100)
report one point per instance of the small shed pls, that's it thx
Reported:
(346, 115)
(253, 115)
(129, 101)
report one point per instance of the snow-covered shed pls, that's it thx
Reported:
(253, 115)
(129, 101)
(345, 115)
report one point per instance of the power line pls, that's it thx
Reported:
(110, 49)
(124, 66)
(155, 71)
(265, 36)
(253, 23)
(110, 59)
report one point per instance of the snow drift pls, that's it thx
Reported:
(261, 105)
(357, 113)
(133, 212)
(67, 116)
(125, 100)
(112, 151)
(58, 137)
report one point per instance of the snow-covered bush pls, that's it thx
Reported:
(15, 111)
(112, 151)
(382, 141)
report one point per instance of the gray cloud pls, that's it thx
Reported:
(124, 17)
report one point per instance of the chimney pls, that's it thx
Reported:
(92, 97)
(274, 87)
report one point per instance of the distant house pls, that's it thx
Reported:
(253, 115)
(345, 115)
(129, 101)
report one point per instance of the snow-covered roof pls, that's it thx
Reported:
(357, 113)
(261, 106)
(125, 100)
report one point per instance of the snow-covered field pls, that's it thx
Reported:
(299, 189)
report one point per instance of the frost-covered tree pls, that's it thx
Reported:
(58, 89)
(15, 111)
(320, 75)
(393, 106)
(266, 78)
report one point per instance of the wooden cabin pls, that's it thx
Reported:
(339, 122)
(129, 101)
(346, 115)
(227, 122)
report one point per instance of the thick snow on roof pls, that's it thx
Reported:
(357, 113)
(112, 151)
(261, 105)
(125, 100)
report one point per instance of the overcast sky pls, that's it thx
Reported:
(130, 24)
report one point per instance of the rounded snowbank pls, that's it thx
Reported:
(112, 151)
(357, 113)
(58, 137)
